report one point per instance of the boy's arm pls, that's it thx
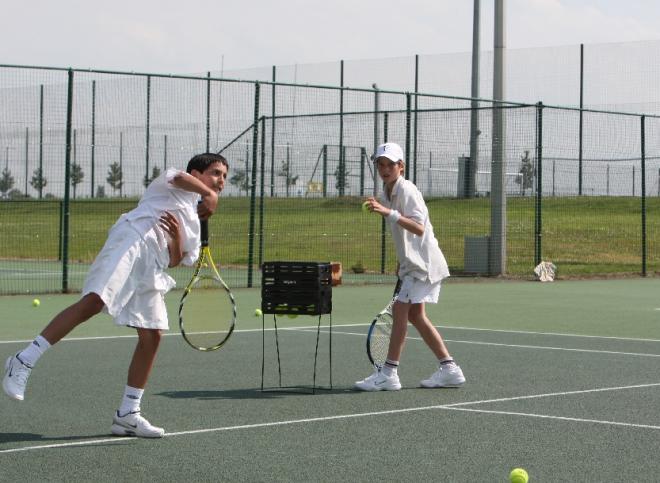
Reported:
(406, 223)
(170, 224)
(209, 201)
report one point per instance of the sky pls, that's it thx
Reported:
(195, 36)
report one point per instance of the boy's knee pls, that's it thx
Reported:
(92, 303)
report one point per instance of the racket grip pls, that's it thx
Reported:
(204, 232)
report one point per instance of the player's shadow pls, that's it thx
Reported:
(33, 437)
(252, 393)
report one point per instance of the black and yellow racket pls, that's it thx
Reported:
(207, 311)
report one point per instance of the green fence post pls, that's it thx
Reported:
(27, 154)
(414, 153)
(253, 187)
(41, 139)
(93, 134)
(342, 166)
(408, 121)
(539, 185)
(261, 190)
(147, 127)
(208, 111)
(643, 174)
(67, 183)
(325, 170)
(272, 135)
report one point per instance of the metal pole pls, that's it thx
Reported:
(414, 154)
(538, 233)
(342, 161)
(253, 185)
(376, 129)
(146, 141)
(261, 190)
(41, 139)
(473, 162)
(272, 136)
(93, 133)
(643, 174)
(27, 152)
(208, 111)
(165, 152)
(67, 183)
(580, 119)
(407, 147)
(121, 163)
(497, 258)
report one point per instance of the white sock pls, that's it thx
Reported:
(130, 403)
(31, 354)
(390, 368)
(445, 361)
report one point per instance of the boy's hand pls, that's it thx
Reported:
(376, 207)
(207, 206)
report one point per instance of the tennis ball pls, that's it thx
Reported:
(292, 316)
(258, 313)
(365, 206)
(36, 303)
(518, 475)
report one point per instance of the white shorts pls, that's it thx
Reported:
(127, 277)
(416, 291)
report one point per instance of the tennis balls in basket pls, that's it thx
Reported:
(365, 207)
(258, 313)
(518, 475)
(36, 303)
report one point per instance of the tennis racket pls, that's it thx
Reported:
(378, 337)
(207, 311)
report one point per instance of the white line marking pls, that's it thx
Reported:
(454, 407)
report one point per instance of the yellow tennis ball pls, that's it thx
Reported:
(292, 316)
(258, 313)
(518, 475)
(365, 206)
(36, 303)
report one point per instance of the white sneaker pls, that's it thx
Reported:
(447, 375)
(16, 376)
(378, 381)
(134, 424)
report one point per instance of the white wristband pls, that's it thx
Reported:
(394, 216)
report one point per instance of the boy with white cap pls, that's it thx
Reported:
(421, 268)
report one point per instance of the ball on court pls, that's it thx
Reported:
(36, 303)
(518, 475)
(292, 316)
(365, 206)
(258, 313)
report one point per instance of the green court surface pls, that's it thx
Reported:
(563, 380)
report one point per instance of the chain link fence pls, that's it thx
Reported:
(582, 186)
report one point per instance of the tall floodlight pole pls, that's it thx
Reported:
(472, 168)
(497, 255)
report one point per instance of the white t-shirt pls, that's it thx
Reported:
(161, 196)
(419, 256)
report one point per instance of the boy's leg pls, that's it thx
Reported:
(19, 366)
(128, 421)
(449, 374)
(387, 378)
(429, 333)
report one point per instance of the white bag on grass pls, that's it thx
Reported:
(545, 271)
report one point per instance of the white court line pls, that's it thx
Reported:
(454, 407)
(175, 332)
(518, 346)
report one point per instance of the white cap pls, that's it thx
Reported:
(391, 151)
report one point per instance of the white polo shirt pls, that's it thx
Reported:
(419, 256)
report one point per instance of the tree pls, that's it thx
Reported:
(38, 182)
(527, 174)
(115, 178)
(6, 182)
(77, 176)
(240, 179)
(341, 176)
(155, 173)
(100, 192)
(285, 172)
